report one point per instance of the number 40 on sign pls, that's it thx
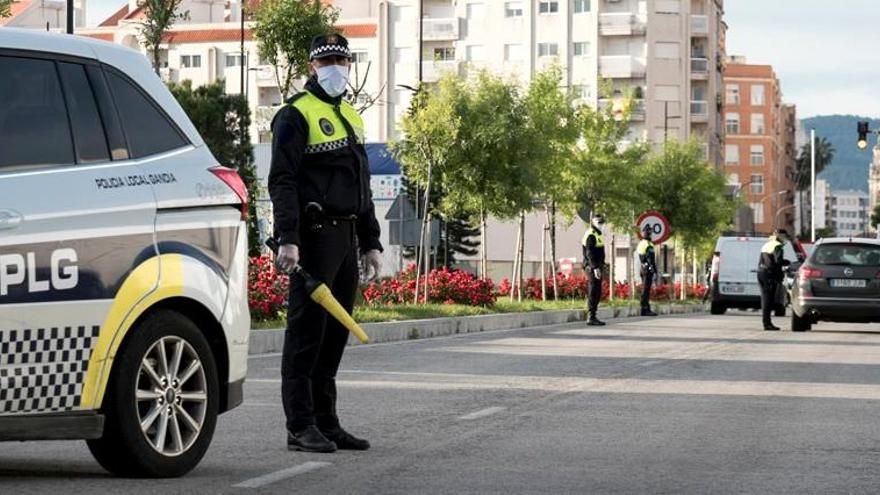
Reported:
(655, 223)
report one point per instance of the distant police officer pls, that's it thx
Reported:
(320, 187)
(594, 261)
(648, 261)
(770, 267)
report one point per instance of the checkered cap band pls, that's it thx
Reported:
(329, 50)
(328, 146)
(43, 369)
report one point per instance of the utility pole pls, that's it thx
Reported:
(421, 36)
(69, 16)
(813, 185)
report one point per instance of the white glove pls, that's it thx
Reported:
(372, 263)
(287, 257)
(597, 272)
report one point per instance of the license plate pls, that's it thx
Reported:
(849, 283)
(733, 289)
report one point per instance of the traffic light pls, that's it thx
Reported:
(863, 135)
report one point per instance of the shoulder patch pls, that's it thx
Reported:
(326, 127)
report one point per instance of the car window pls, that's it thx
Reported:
(34, 130)
(846, 255)
(88, 133)
(147, 129)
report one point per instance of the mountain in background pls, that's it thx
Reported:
(849, 169)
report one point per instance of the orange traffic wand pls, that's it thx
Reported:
(320, 293)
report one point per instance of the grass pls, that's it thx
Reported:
(376, 314)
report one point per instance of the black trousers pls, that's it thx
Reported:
(769, 287)
(314, 342)
(647, 282)
(595, 291)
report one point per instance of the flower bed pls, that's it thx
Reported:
(267, 289)
(444, 286)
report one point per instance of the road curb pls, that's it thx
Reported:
(268, 341)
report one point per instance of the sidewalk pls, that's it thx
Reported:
(268, 341)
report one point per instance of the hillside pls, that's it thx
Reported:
(849, 170)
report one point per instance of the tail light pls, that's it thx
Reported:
(716, 266)
(807, 273)
(231, 178)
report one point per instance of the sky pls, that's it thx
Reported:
(824, 51)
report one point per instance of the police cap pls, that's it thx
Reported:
(329, 45)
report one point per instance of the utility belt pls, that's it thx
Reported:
(316, 218)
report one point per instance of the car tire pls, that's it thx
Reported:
(182, 413)
(717, 308)
(799, 324)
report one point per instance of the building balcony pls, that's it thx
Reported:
(699, 111)
(621, 66)
(434, 70)
(444, 29)
(699, 68)
(638, 109)
(167, 74)
(699, 25)
(620, 24)
(263, 117)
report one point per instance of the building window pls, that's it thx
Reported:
(731, 154)
(757, 154)
(475, 53)
(757, 123)
(359, 57)
(513, 53)
(668, 6)
(732, 95)
(581, 6)
(513, 9)
(233, 60)
(548, 7)
(476, 11)
(757, 94)
(444, 53)
(187, 61)
(581, 48)
(758, 212)
(548, 49)
(667, 50)
(757, 183)
(731, 122)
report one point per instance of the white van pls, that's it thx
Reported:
(123, 260)
(734, 274)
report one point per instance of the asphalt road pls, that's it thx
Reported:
(704, 404)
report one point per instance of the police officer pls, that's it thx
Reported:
(319, 183)
(648, 261)
(594, 261)
(770, 266)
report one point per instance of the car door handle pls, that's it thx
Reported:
(10, 219)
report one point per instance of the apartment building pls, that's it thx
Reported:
(44, 14)
(874, 182)
(760, 144)
(850, 215)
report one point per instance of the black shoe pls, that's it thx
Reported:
(595, 322)
(309, 439)
(648, 312)
(771, 327)
(345, 440)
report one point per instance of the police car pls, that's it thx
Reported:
(123, 259)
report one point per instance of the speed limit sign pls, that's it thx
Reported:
(655, 223)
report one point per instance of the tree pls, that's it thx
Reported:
(284, 30)
(159, 17)
(5, 8)
(875, 217)
(223, 121)
(680, 184)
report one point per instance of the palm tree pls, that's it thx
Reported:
(802, 172)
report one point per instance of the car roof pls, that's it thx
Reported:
(126, 60)
(848, 240)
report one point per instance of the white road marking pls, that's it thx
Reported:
(281, 475)
(482, 413)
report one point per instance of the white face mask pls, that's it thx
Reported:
(333, 78)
